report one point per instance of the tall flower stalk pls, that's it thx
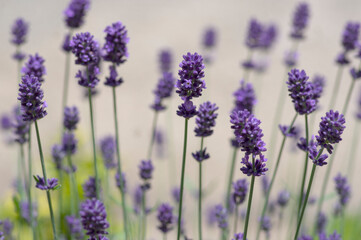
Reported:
(33, 109)
(189, 85)
(331, 129)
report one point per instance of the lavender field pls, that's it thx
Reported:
(200, 120)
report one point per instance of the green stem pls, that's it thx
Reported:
(249, 205)
(30, 179)
(355, 141)
(45, 179)
(200, 196)
(304, 170)
(66, 78)
(235, 220)
(182, 178)
(230, 179)
(274, 176)
(125, 215)
(348, 97)
(144, 219)
(23, 169)
(164, 236)
(154, 127)
(336, 87)
(60, 196)
(74, 188)
(307, 195)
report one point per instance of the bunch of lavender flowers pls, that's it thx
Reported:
(25, 211)
(245, 97)
(90, 188)
(165, 60)
(75, 227)
(342, 189)
(165, 217)
(21, 129)
(85, 49)
(35, 66)
(254, 35)
(268, 37)
(240, 188)
(116, 41)
(75, 12)
(300, 21)
(333, 236)
(163, 91)
(349, 40)
(108, 150)
(71, 118)
(121, 185)
(19, 31)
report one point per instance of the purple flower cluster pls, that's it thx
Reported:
(30, 96)
(201, 155)
(240, 188)
(88, 78)
(331, 128)
(315, 154)
(108, 150)
(58, 155)
(209, 38)
(165, 60)
(69, 143)
(21, 129)
(256, 167)
(146, 169)
(238, 236)
(301, 92)
(113, 80)
(349, 40)
(66, 43)
(116, 41)
(75, 12)
(19, 31)
(75, 227)
(85, 49)
(268, 37)
(290, 58)
(342, 189)
(165, 217)
(163, 90)
(254, 34)
(318, 83)
(220, 214)
(124, 182)
(94, 218)
(25, 211)
(51, 184)
(321, 222)
(300, 21)
(35, 66)
(333, 236)
(71, 118)
(289, 132)
(283, 198)
(187, 109)
(89, 188)
(245, 97)
(206, 119)
(266, 224)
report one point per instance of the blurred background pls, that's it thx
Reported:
(179, 26)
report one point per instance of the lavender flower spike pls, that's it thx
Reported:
(71, 118)
(35, 66)
(84, 48)
(165, 60)
(163, 90)
(165, 217)
(69, 143)
(350, 36)
(66, 43)
(117, 180)
(221, 216)
(94, 218)
(238, 236)
(146, 169)
(254, 34)
(240, 188)
(58, 156)
(300, 21)
(209, 38)
(187, 110)
(19, 31)
(75, 12)
(107, 146)
(89, 188)
(206, 119)
(113, 80)
(342, 189)
(21, 129)
(30, 96)
(116, 41)
(40, 183)
(245, 97)
(75, 227)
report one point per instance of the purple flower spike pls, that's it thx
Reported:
(248, 133)
(268, 37)
(113, 80)
(146, 169)
(209, 38)
(71, 118)
(84, 48)
(191, 76)
(333, 236)
(35, 66)
(238, 236)
(163, 90)
(124, 182)
(358, 113)
(187, 109)
(90, 79)
(116, 41)
(69, 143)
(108, 150)
(40, 183)
(75, 227)
(301, 92)
(342, 189)
(319, 83)
(245, 97)
(321, 222)
(350, 36)
(66, 43)
(313, 153)
(257, 169)
(356, 74)
(206, 119)
(30, 96)
(254, 34)
(291, 58)
(201, 155)
(305, 237)
(75, 12)
(176, 194)
(19, 31)
(283, 198)
(240, 188)
(302, 144)
(165, 217)
(266, 224)
(25, 211)
(342, 59)
(292, 132)
(221, 215)
(331, 129)
(6, 123)
(94, 218)
(165, 60)
(300, 21)
(89, 188)
(58, 155)
(21, 130)
(19, 56)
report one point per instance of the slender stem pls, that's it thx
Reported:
(45, 179)
(307, 195)
(200, 196)
(74, 188)
(342, 224)
(304, 170)
(235, 220)
(30, 179)
(274, 176)
(249, 205)
(164, 236)
(66, 78)
(144, 222)
(154, 128)
(182, 178)
(125, 218)
(349, 94)
(23, 169)
(230, 179)
(336, 86)
(355, 141)
(19, 66)
(60, 204)
(93, 140)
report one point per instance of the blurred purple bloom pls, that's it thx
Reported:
(88, 78)
(245, 97)
(51, 185)
(283, 198)
(291, 58)
(75, 227)
(358, 112)
(19, 31)
(287, 131)
(25, 211)
(248, 64)
(221, 215)
(108, 150)
(206, 119)
(6, 122)
(201, 155)
(321, 222)
(300, 21)
(165, 217)
(69, 143)
(342, 189)
(35, 66)
(165, 60)
(30, 96)
(116, 41)
(89, 188)
(66, 43)
(75, 12)
(94, 218)
(257, 168)
(356, 74)
(305, 237)
(333, 236)
(209, 38)
(84, 48)
(313, 152)
(21, 129)
(113, 80)
(265, 184)
(342, 59)
(58, 155)
(318, 82)
(266, 224)
(176, 194)
(240, 188)
(350, 36)
(163, 90)
(146, 169)
(238, 236)
(124, 182)
(303, 145)
(71, 118)
(254, 34)
(8, 227)
(268, 37)
(19, 56)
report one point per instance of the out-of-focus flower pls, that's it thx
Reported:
(19, 31)
(300, 21)
(240, 188)
(71, 118)
(165, 217)
(116, 40)
(165, 60)
(51, 184)
(75, 227)
(245, 97)
(108, 150)
(75, 12)
(35, 66)
(89, 188)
